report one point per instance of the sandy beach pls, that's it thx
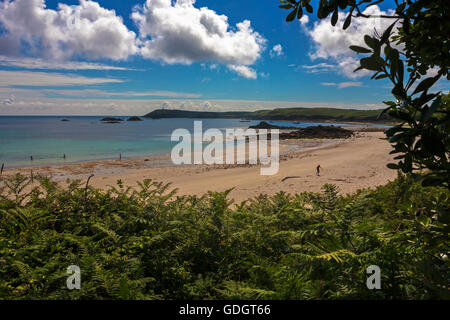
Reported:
(351, 164)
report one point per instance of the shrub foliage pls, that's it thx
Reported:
(149, 243)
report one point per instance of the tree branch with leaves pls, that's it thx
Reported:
(414, 46)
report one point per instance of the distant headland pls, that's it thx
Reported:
(293, 114)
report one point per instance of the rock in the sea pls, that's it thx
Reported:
(265, 125)
(134, 119)
(65, 120)
(111, 120)
(318, 132)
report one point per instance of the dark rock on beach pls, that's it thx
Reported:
(314, 132)
(134, 119)
(318, 132)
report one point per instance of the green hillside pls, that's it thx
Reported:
(300, 114)
(162, 114)
(318, 114)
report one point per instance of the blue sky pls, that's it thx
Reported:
(56, 69)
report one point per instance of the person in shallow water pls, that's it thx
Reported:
(318, 169)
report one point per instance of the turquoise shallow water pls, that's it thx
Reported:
(47, 138)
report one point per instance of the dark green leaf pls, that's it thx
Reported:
(436, 103)
(348, 20)
(432, 181)
(360, 49)
(399, 91)
(381, 76)
(387, 33)
(370, 63)
(424, 98)
(390, 103)
(426, 84)
(343, 4)
(405, 25)
(400, 71)
(291, 16)
(370, 41)
(391, 131)
(300, 12)
(400, 8)
(392, 166)
(400, 115)
(396, 137)
(334, 17)
(357, 69)
(321, 13)
(407, 164)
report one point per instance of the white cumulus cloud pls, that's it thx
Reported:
(244, 71)
(85, 30)
(332, 43)
(181, 33)
(304, 20)
(169, 31)
(276, 51)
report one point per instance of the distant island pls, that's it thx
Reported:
(293, 114)
(111, 120)
(134, 118)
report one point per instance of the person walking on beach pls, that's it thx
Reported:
(318, 170)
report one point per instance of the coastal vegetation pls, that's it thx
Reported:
(149, 243)
(296, 114)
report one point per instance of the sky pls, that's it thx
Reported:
(116, 57)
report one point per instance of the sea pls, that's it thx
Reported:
(49, 140)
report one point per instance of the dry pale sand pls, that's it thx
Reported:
(350, 164)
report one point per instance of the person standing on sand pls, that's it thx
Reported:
(318, 170)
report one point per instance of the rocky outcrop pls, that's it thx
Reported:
(313, 132)
(318, 132)
(111, 120)
(134, 119)
(265, 125)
